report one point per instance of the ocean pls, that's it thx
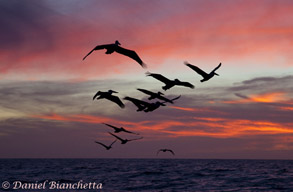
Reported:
(115, 175)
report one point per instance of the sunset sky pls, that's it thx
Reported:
(46, 90)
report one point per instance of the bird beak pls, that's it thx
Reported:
(217, 74)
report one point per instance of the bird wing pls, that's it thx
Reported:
(116, 136)
(116, 100)
(96, 48)
(185, 84)
(196, 69)
(101, 144)
(97, 94)
(168, 100)
(111, 126)
(171, 151)
(159, 77)
(217, 67)
(135, 139)
(130, 53)
(159, 151)
(129, 131)
(113, 142)
(136, 102)
(146, 91)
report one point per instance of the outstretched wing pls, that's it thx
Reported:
(129, 131)
(136, 102)
(116, 100)
(97, 94)
(159, 151)
(196, 69)
(135, 139)
(146, 91)
(217, 67)
(130, 53)
(97, 48)
(116, 136)
(175, 98)
(159, 77)
(171, 151)
(111, 126)
(113, 142)
(101, 144)
(185, 84)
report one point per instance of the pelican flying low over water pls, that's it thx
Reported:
(107, 147)
(165, 150)
(206, 76)
(114, 47)
(169, 83)
(121, 129)
(108, 95)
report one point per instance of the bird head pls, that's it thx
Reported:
(117, 42)
(177, 80)
(111, 91)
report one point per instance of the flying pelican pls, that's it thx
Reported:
(169, 83)
(107, 147)
(206, 76)
(121, 129)
(165, 150)
(108, 95)
(115, 47)
(123, 141)
(158, 95)
(143, 105)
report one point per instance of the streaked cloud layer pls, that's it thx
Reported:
(67, 108)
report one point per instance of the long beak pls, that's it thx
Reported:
(217, 74)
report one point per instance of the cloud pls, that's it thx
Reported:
(44, 40)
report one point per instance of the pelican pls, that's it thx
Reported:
(143, 105)
(165, 150)
(108, 95)
(124, 141)
(206, 76)
(121, 129)
(107, 147)
(158, 95)
(115, 47)
(169, 83)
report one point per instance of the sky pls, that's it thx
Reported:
(46, 89)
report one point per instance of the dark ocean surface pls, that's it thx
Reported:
(147, 174)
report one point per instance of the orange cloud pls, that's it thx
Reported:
(203, 126)
(262, 98)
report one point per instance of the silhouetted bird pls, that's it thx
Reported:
(115, 47)
(107, 147)
(206, 76)
(121, 129)
(123, 141)
(165, 150)
(143, 105)
(158, 95)
(108, 95)
(169, 83)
